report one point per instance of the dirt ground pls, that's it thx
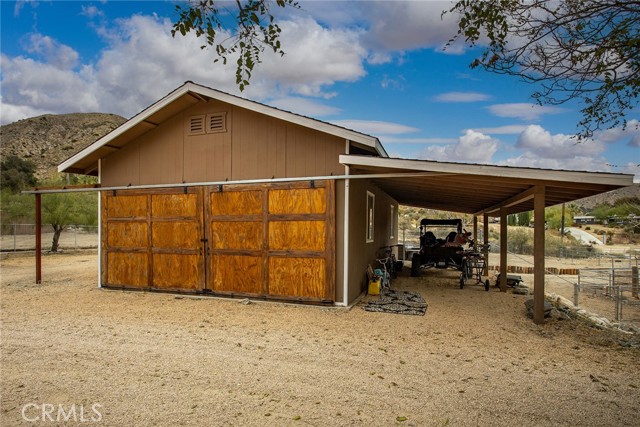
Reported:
(148, 359)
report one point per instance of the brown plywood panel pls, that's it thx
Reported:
(297, 277)
(298, 201)
(127, 234)
(236, 203)
(237, 235)
(297, 235)
(126, 206)
(175, 234)
(236, 273)
(174, 205)
(127, 269)
(175, 271)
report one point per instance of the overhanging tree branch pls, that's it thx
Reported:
(574, 49)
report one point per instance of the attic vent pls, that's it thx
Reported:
(216, 122)
(196, 125)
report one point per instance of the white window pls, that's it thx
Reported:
(392, 221)
(371, 203)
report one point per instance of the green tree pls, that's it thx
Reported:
(17, 174)
(251, 23)
(60, 210)
(572, 49)
(16, 208)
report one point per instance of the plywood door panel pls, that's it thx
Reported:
(176, 271)
(298, 201)
(237, 274)
(153, 239)
(297, 277)
(274, 240)
(127, 234)
(297, 235)
(236, 203)
(127, 207)
(175, 235)
(127, 269)
(247, 235)
(174, 205)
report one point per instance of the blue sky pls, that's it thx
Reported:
(377, 67)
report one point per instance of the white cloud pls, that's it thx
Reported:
(473, 147)
(543, 145)
(523, 111)
(372, 127)
(304, 106)
(91, 11)
(462, 97)
(142, 63)
(400, 26)
(336, 56)
(395, 140)
(52, 52)
(631, 131)
(12, 113)
(578, 162)
(502, 130)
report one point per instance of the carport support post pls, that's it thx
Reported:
(503, 249)
(485, 241)
(475, 229)
(538, 254)
(38, 239)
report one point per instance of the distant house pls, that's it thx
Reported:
(205, 192)
(584, 219)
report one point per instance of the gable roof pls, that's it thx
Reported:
(86, 161)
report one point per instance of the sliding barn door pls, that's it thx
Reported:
(267, 240)
(272, 240)
(153, 239)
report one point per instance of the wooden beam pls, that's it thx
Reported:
(38, 239)
(511, 201)
(538, 255)
(503, 250)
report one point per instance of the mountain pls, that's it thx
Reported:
(610, 197)
(50, 139)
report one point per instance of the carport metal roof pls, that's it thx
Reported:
(479, 189)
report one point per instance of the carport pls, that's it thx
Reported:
(486, 191)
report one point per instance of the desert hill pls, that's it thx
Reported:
(50, 139)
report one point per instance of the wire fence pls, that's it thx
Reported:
(620, 285)
(22, 237)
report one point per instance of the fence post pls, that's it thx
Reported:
(38, 239)
(634, 281)
(618, 303)
(14, 237)
(576, 290)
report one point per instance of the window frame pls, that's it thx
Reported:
(370, 230)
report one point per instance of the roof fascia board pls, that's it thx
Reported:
(618, 180)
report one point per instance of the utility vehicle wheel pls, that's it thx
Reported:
(415, 265)
(486, 285)
(462, 282)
